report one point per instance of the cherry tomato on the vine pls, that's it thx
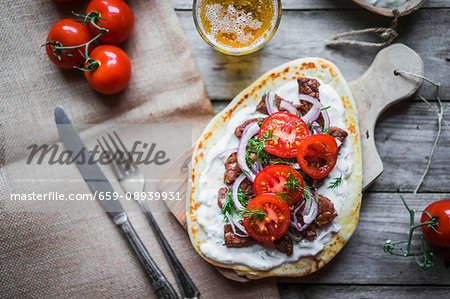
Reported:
(117, 17)
(67, 33)
(113, 72)
(440, 237)
(267, 218)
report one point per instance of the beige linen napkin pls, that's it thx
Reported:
(72, 249)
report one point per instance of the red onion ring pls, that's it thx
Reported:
(272, 107)
(270, 103)
(316, 128)
(238, 225)
(289, 107)
(256, 167)
(249, 131)
(234, 191)
(309, 213)
(315, 110)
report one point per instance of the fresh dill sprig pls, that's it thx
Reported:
(254, 214)
(283, 196)
(293, 184)
(284, 161)
(337, 181)
(256, 146)
(247, 173)
(229, 207)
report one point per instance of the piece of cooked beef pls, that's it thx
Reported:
(261, 107)
(240, 129)
(338, 134)
(232, 169)
(308, 86)
(247, 187)
(231, 240)
(284, 244)
(309, 233)
(326, 212)
(223, 193)
(313, 183)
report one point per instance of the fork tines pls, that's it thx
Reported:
(121, 159)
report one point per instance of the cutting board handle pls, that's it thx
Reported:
(376, 90)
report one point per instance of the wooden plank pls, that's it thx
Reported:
(315, 4)
(225, 75)
(300, 291)
(404, 136)
(362, 260)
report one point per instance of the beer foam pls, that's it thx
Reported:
(232, 22)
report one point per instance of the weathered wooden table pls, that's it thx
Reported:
(404, 136)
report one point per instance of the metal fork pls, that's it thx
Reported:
(132, 180)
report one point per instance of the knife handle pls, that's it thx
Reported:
(187, 287)
(161, 286)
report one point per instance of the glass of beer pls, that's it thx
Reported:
(237, 27)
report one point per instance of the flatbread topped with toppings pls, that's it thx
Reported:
(275, 185)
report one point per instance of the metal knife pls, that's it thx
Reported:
(98, 183)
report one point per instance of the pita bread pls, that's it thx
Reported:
(347, 216)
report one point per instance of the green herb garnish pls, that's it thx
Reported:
(283, 196)
(284, 161)
(292, 183)
(256, 146)
(229, 207)
(254, 214)
(337, 181)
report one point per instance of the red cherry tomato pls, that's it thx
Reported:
(118, 19)
(284, 132)
(113, 72)
(317, 155)
(272, 223)
(280, 179)
(441, 238)
(68, 33)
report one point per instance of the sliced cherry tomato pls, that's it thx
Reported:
(282, 133)
(281, 179)
(67, 33)
(441, 238)
(267, 218)
(113, 72)
(317, 155)
(118, 19)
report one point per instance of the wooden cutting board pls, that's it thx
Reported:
(375, 91)
(405, 9)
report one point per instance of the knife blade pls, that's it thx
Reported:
(98, 183)
(91, 172)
